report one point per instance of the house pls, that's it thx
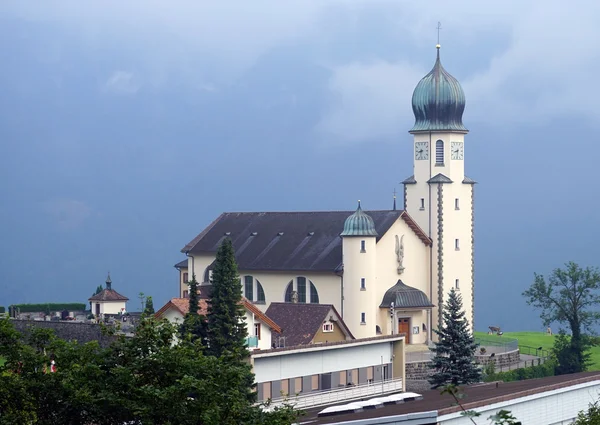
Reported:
(303, 324)
(108, 301)
(385, 271)
(260, 327)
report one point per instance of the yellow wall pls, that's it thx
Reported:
(336, 335)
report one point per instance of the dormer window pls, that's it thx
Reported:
(439, 152)
(327, 327)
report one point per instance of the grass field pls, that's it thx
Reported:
(535, 340)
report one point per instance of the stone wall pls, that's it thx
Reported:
(418, 371)
(81, 332)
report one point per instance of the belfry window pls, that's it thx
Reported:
(439, 152)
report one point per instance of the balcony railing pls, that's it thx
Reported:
(252, 341)
(322, 398)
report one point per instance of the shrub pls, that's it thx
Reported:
(34, 308)
(540, 371)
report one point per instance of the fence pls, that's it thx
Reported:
(322, 398)
(497, 345)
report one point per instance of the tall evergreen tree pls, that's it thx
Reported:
(226, 326)
(194, 324)
(454, 360)
(149, 309)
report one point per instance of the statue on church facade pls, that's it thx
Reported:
(400, 253)
(295, 297)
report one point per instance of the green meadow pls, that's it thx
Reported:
(535, 340)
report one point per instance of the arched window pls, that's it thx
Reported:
(299, 285)
(439, 152)
(253, 290)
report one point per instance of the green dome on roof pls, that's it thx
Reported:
(438, 101)
(359, 224)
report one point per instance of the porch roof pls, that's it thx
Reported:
(404, 296)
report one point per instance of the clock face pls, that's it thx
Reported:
(457, 150)
(421, 150)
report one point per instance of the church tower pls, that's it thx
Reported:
(438, 195)
(359, 258)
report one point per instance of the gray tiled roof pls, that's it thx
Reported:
(404, 296)
(300, 322)
(108, 295)
(439, 178)
(468, 180)
(303, 241)
(409, 180)
(183, 264)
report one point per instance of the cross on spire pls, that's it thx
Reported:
(394, 199)
(439, 27)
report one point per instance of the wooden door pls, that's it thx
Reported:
(404, 328)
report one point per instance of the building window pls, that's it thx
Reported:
(363, 246)
(363, 320)
(456, 204)
(363, 284)
(185, 277)
(299, 285)
(457, 284)
(185, 294)
(314, 295)
(456, 245)
(249, 287)
(260, 293)
(422, 207)
(257, 330)
(327, 327)
(439, 152)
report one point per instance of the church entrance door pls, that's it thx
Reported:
(404, 328)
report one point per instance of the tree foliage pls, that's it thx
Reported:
(99, 289)
(454, 360)
(569, 297)
(194, 323)
(145, 379)
(149, 308)
(589, 417)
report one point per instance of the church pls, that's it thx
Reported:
(383, 271)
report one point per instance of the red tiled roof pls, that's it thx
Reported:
(183, 306)
(108, 295)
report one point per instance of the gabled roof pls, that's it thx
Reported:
(288, 241)
(183, 264)
(182, 305)
(439, 178)
(108, 295)
(404, 296)
(300, 322)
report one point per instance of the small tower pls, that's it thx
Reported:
(359, 258)
(108, 282)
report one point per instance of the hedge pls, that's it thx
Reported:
(540, 371)
(34, 308)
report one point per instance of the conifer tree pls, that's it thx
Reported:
(194, 324)
(454, 360)
(226, 326)
(149, 309)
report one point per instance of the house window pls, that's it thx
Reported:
(456, 204)
(363, 284)
(363, 320)
(456, 244)
(363, 246)
(185, 294)
(185, 277)
(260, 293)
(327, 327)
(439, 152)
(248, 287)
(422, 207)
(457, 284)
(257, 330)
(299, 285)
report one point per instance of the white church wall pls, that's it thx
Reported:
(417, 319)
(197, 264)
(113, 307)
(274, 284)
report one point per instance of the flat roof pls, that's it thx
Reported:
(477, 395)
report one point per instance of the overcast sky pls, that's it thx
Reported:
(126, 127)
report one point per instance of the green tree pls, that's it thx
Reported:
(99, 289)
(569, 297)
(149, 308)
(226, 325)
(589, 417)
(454, 360)
(194, 323)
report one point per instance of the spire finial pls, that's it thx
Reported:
(358, 204)
(394, 199)
(438, 28)
(108, 281)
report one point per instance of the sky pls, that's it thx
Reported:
(127, 127)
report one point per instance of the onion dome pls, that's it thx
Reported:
(438, 101)
(359, 224)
